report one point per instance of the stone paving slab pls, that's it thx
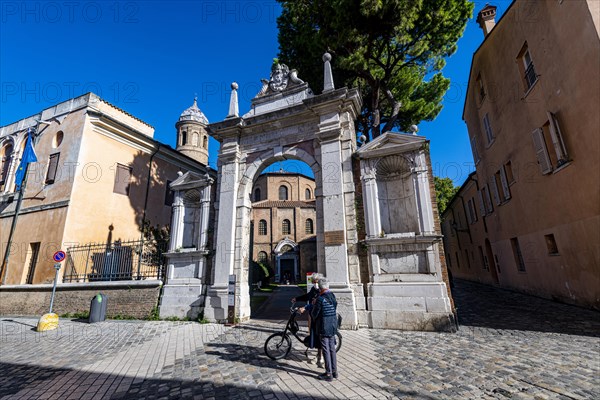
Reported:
(518, 357)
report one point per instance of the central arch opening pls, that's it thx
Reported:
(283, 219)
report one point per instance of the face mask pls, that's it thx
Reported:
(316, 285)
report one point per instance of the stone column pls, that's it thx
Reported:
(370, 201)
(177, 222)
(336, 258)
(423, 196)
(216, 308)
(204, 216)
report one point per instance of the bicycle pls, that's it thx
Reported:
(278, 345)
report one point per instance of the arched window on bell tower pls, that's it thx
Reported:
(183, 138)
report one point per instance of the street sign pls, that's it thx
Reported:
(59, 256)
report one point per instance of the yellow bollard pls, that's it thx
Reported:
(47, 322)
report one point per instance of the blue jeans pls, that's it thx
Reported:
(328, 345)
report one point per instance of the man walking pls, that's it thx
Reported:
(324, 313)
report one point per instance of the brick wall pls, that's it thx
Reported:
(438, 227)
(130, 298)
(360, 225)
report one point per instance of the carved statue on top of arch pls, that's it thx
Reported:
(281, 76)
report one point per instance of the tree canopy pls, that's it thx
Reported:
(392, 50)
(444, 192)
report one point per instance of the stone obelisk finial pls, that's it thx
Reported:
(328, 76)
(233, 102)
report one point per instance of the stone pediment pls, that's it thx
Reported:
(391, 143)
(191, 180)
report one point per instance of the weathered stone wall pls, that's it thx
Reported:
(438, 227)
(127, 298)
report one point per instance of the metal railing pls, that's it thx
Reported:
(530, 75)
(118, 261)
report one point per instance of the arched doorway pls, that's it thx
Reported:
(286, 256)
(287, 121)
(492, 262)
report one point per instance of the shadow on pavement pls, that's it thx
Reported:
(32, 382)
(486, 306)
(251, 355)
(21, 323)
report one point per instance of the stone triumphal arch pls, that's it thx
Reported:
(399, 283)
(287, 121)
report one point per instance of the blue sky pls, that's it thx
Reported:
(151, 58)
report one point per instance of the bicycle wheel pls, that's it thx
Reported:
(278, 346)
(338, 339)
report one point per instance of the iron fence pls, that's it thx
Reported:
(118, 261)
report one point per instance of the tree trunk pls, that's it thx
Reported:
(376, 129)
(396, 105)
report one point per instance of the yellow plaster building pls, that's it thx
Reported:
(529, 217)
(99, 174)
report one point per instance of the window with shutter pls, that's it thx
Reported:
(488, 129)
(541, 152)
(489, 207)
(505, 188)
(509, 172)
(518, 255)
(52, 168)
(482, 258)
(494, 187)
(122, 179)
(474, 150)
(468, 213)
(526, 68)
(472, 210)
(557, 140)
(481, 203)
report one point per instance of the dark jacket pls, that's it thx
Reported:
(324, 312)
(309, 296)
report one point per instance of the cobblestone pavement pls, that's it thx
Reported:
(523, 348)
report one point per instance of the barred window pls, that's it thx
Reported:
(262, 227)
(285, 227)
(307, 194)
(262, 257)
(309, 227)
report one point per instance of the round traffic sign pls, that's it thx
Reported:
(59, 256)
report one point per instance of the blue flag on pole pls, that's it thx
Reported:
(29, 156)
